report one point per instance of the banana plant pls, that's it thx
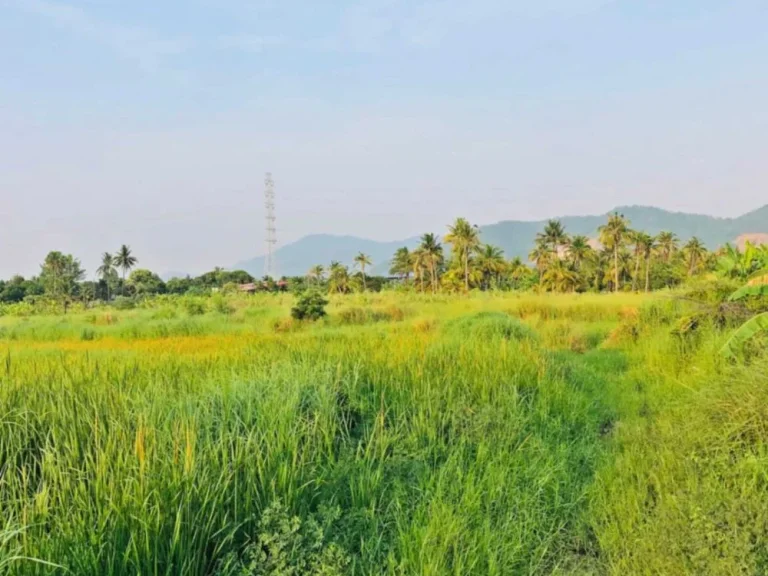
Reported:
(757, 286)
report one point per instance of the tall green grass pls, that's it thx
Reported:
(401, 435)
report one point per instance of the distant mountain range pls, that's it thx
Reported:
(516, 238)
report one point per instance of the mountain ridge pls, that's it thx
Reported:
(515, 237)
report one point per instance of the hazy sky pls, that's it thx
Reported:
(152, 122)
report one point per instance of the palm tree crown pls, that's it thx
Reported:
(464, 238)
(554, 235)
(363, 260)
(433, 255)
(613, 235)
(107, 269)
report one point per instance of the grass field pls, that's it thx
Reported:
(492, 434)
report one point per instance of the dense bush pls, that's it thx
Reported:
(310, 305)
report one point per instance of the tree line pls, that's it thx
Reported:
(619, 259)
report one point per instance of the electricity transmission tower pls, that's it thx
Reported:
(270, 262)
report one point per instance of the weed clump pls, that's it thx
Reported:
(289, 545)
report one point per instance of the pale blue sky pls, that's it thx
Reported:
(152, 123)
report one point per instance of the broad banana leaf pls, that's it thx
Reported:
(749, 329)
(749, 290)
(760, 277)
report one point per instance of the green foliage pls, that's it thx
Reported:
(288, 546)
(221, 305)
(750, 329)
(59, 275)
(310, 305)
(493, 434)
(145, 283)
(193, 306)
(754, 291)
(124, 303)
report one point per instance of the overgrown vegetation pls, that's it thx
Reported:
(403, 434)
(619, 259)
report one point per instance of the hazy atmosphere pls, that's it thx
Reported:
(152, 124)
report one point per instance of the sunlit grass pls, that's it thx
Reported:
(492, 434)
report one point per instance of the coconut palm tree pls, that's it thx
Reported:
(578, 250)
(560, 278)
(419, 264)
(541, 257)
(361, 261)
(613, 234)
(650, 247)
(125, 260)
(667, 243)
(316, 272)
(516, 270)
(338, 278)
(695, 252)
(433, 254)
(554, 236)
(643, 246)
(107, 270)
(401, 263)
(490, 262)
(464, 238)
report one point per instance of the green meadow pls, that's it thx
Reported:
(491, 434)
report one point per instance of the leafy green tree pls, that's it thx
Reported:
(87, 292)
(178, 285)
(17, 289)
(361, 261)
(145, 283)
(613, 235)
(59, 275)
(234, 277)
(464, 238)
(125, 260)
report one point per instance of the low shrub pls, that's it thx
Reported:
(289, 545)
(220, 304)
(309, 305)
(194, 307)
